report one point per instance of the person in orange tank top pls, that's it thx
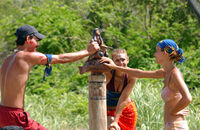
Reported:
(175, 92)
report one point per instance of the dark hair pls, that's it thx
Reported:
(21, 40)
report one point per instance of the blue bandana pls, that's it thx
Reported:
(48, 68)
(171, 47)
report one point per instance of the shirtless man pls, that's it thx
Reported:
(14, 75)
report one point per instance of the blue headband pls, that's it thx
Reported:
(170, 46)
(48, 68)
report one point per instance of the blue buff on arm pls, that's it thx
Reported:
(48, 68)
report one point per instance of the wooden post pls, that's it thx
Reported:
(97, 85)
(97, 102)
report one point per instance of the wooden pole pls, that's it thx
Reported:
(97, 102)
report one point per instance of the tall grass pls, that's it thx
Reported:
(149, 105)
(65, 112)
(146, 95)
(69, 111)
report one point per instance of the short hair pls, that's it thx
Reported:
(21, 40)
(117, 51)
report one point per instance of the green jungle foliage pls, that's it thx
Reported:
(136, 25)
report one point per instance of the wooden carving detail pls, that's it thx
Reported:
(92, 64)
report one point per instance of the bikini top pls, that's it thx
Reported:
(112, 95)
(168, 94)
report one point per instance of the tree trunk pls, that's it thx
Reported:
(195, 6)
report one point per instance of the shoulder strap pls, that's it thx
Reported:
(125, 81)
(110, 85)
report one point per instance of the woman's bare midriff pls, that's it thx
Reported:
(114, 107)
(168, 117)
(111, 108)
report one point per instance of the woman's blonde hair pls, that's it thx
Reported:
(118, 51)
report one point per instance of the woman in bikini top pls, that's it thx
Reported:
(113, 94)
(121, 110)
(175, 92)
(167, 93)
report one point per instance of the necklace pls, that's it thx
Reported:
(118, 87)
(120, 81)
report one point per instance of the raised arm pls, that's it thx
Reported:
(133, 72)
(183, 89)
(41, 59)
(140, 73)
(69, 57)
(74, 56)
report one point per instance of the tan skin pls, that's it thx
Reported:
(173, 109)
(13, 89)
(122, 61)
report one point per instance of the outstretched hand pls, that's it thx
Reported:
(93, 47)
(107, 62)
(114, 126)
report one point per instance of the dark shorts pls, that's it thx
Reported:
(17, 117)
